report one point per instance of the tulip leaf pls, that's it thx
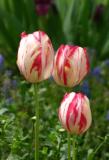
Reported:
(13, 157)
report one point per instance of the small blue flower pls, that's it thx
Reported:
(14, 83)
(9, 100)
(106, 62)
(8, 72)
(107, 116)
(1, 61)
(5, 89)
(96, 71)
(85, 88)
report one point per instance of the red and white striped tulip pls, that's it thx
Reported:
(35, 56)
(71, 64)
(74, 113)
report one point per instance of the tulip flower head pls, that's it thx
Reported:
(35, 56)
(43, 6)
(74, 113)
(71, 64)
(98, 13)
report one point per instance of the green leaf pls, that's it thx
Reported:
(90, 154)
(3, 110)
(67, 25)
(13, 157)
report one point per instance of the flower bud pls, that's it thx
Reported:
(71, 65)
(35, 56)
(42, 7)
(98, 13)
(74, 113)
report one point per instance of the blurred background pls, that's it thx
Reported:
(73, 22)
(84, 23)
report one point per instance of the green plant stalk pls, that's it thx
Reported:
(74, 149)
(91, 157)
(36, 98)
(99, 147)
(69, 147)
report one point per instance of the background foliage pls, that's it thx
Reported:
(77, 22)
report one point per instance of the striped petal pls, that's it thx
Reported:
(74, 113)
(71, 64)
(35, 56)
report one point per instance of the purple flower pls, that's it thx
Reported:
(43, 6)
(98, 14)
(107, 116)
(1, 61)
(9, 100)
(14, 83)
(8, 73)
(85, 88)
(96, 71)
(106, 62)
(6, 87)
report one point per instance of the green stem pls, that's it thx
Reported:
(74, 149)
(69, 147)
(99, 147)
(92, 154)
(36, 98)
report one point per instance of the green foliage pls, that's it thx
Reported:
(71, 22)
(17, 122)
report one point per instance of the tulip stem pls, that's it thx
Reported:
(74, 149)
(69, 147)
(36, 98)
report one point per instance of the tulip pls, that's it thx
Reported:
(71, 64)
(98, 13)
(74, 113)
(42, 7)
(35, 56)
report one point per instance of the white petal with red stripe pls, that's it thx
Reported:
(71, 64)
(74, 113)
(35, 56)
